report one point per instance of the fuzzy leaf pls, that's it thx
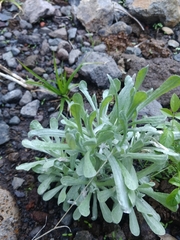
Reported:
(133, 223)
(105, 212)
(51, 193)
(88, 168)
(174, 103)
(140, 77)
(167, 138)
(117, 213)
(62, 196)
(28, 166)
(46, 184)
(84, 207)
(155, 225)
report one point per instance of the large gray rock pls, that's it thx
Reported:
(159, 70)
(151, 11)
(9, 215)
(102, 64)
(33, 10)
(95, 14)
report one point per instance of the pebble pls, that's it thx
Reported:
(62, 54)
(59, 33)
(73, 55)
(17, 182)
(167, 30)
(173, 43)
(177, 57)
(12, 96)
(14, 120)
(30, 109)
(100, 48)
(4, 132)
(11, 86)
(66, 10)
(72, 33)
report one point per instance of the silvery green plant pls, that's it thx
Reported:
(104, 157)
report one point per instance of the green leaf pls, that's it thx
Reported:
(83, 89)
(177, 115)
(115, 85)
(88, 168)
(94, 208)
(70, 181)
(140, 77)
(105, 212)
(157, 158)
(62, 196)
(46, 184)
(175, 181)
(167, 138)
(121, 189)
(71, 140)
(139, 97)
(104, 195)
(54, 123)
(84, 207)
(117, 213)
(174, 103)
(104, 107)
(159, 197)
(154, 225)
(167, 112)
(28, 166)
(51, 193)
(171, 83)
(76, 214)
(129, 180)
(172, 198)
(76, 113)
(133, 223)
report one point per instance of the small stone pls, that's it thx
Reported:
(24, 24)
(4, 132)
(39, 216)
(8, 35)
(31, 61)
(39, 71)
(167, 30)
(54, 42)
(72, 33)
(62, 54)
(26, 98)
(64, 44)
(177, 57)
(59, 33)
(100, 48)
(14, 120)
(12, 96)
(30, 109)
(66, 10)
(73, 55)
(173, 43)
(17, 182)
(15, 51)
(5, 17)
(11, 86)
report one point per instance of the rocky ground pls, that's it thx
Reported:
(33, 44)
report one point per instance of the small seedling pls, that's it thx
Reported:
(157, 26)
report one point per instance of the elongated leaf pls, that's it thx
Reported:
(84, 207)
(71, 140)
(157, 158)
(121, 189)
(155, 225)
(54, 123)
(140, 77)
(88, 168)
(117, 213)
(46, 184)
(104, 195)
(171, 83)
(28, 166)
(105, 212)
(130, 182)
(174, 103)
(46, 133)
(76, 112)
(133, 223)
(70, 181)
(83, 89)
(167, 138)
(115, 85)
(151, 120)
(172, 198)
(76, 214)
(104, 107)
(51, 193)
(94, 207)
(62, 195)
(167, 112)
(139, 97)
(159, 197)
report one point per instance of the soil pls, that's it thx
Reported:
(36, 213)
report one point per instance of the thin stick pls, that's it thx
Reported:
(14, 77)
